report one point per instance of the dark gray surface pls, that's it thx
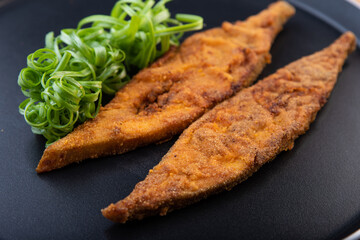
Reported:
(310, 192)
(341, 11)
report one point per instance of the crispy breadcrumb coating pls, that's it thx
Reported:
(233, 140)
(164, 99)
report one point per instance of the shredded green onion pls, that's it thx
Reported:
(64, 81)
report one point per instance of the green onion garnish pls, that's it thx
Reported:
(65, 80)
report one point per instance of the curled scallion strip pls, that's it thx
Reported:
(65, 80)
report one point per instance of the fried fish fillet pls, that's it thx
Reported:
(233, 140)
(161, 101)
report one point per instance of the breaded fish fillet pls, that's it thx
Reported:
(233, 140)
(163, 100)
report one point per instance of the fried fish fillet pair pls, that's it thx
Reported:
(229, 142)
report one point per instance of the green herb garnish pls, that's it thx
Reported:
(64, 81)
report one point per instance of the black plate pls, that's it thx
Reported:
(310, 192)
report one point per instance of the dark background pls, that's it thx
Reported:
(310, 192)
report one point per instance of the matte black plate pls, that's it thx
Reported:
(310, 192)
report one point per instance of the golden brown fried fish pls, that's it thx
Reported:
(232, 141)
(163, 100)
